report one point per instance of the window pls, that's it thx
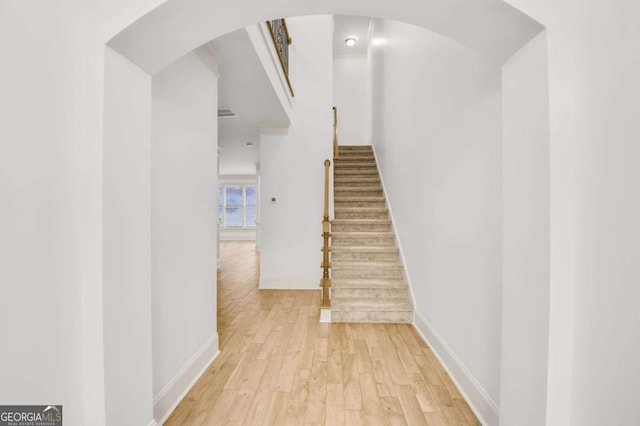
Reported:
(237, 206)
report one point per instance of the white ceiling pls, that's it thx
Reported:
(245, 89)
(345, 26)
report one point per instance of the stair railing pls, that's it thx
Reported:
(336, 149)
(326, 233)
(281, 40)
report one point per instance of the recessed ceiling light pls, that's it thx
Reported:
(350, 41)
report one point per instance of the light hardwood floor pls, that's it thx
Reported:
(279, 366)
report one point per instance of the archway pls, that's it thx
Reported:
(491, 27)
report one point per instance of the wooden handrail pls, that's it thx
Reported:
(326, 232)
(336, 149)
(286, 30)
(283, 50)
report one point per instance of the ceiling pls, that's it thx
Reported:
(244, 88)
(345, 26)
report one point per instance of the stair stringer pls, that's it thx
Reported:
(407, 276)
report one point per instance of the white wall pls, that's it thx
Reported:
(352, 96)
(606, 382)
(291, 166)
(437, 137)
(127, 254)
(49, 230)
(525, 295)
(183, 227)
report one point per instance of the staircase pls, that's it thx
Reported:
(367, 277)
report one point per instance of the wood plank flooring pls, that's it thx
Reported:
(280, 366)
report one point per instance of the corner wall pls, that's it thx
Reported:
(437, 137)
(526, 233)
(126, 252)
(291, 165)
(183, 228)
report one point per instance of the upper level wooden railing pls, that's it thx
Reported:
(336, 149)
(326, 233)
(281, 40)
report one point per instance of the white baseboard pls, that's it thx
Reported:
(289, 283)
(153, 423)
(169, 398)
(482, 405)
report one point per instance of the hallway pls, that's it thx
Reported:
(279, 365)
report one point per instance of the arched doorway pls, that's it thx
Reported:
(174, 28)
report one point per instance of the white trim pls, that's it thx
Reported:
(289, 284)
(211, 57)
(153, 423)
(169, 397)
(479, 401)
(395, 231)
